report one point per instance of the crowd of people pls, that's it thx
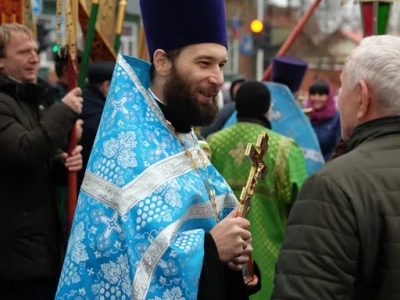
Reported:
(161, 165)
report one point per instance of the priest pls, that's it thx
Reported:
(154, 219)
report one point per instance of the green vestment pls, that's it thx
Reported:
(272, 197)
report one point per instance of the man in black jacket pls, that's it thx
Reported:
(31, 166)
(342, 238)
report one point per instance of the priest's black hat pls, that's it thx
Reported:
(174, 24)
(289, 71)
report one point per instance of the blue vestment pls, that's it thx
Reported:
(143, 209)
(287, 119)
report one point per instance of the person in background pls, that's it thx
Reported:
(227, 110)
(99, 76)
(52, 78)
(61, 69)
(58, 92)
(31, 167)
(324, 116)
(342, 238)
(274, 195)
(289, 71)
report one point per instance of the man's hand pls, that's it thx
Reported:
(231, 236)
(239, 262)
(74, 100)
(79, 129)
(73, 162)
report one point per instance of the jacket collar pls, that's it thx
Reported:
(27, 92)
(374, 129)
(93, 90)
(260, 121)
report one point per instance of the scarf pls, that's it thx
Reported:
(325, 113)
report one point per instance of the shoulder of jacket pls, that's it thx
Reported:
(7, 100)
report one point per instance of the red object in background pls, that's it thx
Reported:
(367, 13)
(72, 191)
(292, 37)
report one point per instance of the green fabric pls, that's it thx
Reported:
(62, 201)
(272, 197)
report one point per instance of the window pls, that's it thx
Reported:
(232, 66)
(129, 39)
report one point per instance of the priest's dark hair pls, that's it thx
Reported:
(172, 55)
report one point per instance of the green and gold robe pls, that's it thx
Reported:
(272, 197)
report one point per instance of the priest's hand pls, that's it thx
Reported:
(238, 263)
(230, 236)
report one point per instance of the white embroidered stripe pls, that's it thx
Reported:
(153, 254)
(226, 201)
(148, 98)
(313, 155)
(123, 199)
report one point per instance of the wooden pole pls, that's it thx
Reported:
(72, 39)
(120, 24)
(142, 46)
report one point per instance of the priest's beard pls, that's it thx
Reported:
(182, 101)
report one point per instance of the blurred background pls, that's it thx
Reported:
(332, 32)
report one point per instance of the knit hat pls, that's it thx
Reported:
(100, 71)
(253, 100)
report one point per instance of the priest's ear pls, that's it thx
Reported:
(162, 64)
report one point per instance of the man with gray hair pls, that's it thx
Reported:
(342, 238)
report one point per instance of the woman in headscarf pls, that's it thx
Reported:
(324, 117)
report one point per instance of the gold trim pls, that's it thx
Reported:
(121, 16)
(106, 42)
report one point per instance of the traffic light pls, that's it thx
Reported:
(261, 32)
(55, 48)
(256, 26)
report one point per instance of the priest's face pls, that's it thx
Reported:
(194, 80)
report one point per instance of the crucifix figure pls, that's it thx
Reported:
(255, 154)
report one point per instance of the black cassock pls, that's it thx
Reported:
(218, 282)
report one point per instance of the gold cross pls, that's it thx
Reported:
(255, 154)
